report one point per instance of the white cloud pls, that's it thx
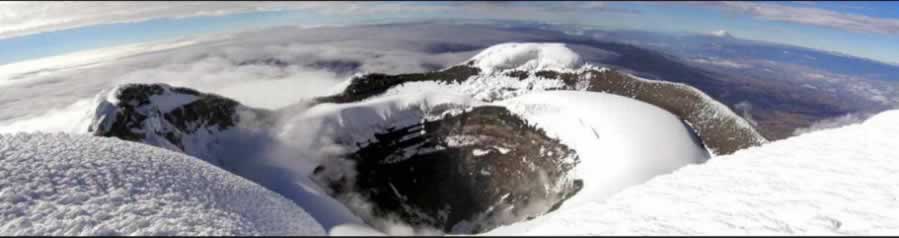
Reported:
(264, 68)
(745, 109)
(720, 62)
(810, 16)
(25, 18)
(269, 68)
(722, 33)
(836, 122)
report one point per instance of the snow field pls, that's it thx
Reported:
(58, 184)
(829, 182)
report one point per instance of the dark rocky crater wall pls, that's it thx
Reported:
(466, 173)
(722, 131)
(463, 173)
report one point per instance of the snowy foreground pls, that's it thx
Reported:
(830, 182)
(56, 184)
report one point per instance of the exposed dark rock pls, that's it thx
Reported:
(547, 74)
(521, 75)
(374, 84)
(475, 171)
(140, 115)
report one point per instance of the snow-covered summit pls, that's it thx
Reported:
(525, 57)
(58, 184)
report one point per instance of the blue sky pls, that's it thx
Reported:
(866, 29)
(869, 8)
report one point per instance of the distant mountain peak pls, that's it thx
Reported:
(722, 34)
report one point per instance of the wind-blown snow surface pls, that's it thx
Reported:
(621, 141)
(57, 184)
(829, 182)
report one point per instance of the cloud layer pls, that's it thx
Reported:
(809, 16)
(25, 18)
(268, 68)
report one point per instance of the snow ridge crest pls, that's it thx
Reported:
(525, 57)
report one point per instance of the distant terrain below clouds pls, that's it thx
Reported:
(37, 28)
(25, 18)
(811, 16)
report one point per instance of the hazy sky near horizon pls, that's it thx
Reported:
(30, 30)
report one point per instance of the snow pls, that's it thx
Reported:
(358, 122)
(22, 71)
(354, 230)
(621, 141)
(201, 143)
(483, 87)
(58, 184)
(278, 152)
(722, 33)
(830, 182)
(712, 110)
(627, 127)
(525, 56)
